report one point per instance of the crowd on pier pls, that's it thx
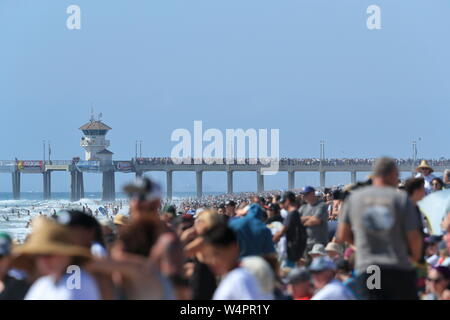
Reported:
(367, 240)
(285, 161)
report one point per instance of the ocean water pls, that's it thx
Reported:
(15, 214)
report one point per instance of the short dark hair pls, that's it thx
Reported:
(439, 180)
(220, 236)
(79, 219)
(384, 166)
(413, 184)
(289, 196)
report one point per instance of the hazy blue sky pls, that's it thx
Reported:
(310, 68)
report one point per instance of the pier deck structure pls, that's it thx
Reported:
(77, 168)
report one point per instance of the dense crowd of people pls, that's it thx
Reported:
(286, 161)
(368, 240)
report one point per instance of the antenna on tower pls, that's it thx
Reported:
(92, 113)
(100, 115)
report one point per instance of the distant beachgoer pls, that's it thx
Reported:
(293, 230)
(299, 284)
(425, 170)
(437, 184)
(438, 283)
(323, 271)
(314, 216)
(11, 288)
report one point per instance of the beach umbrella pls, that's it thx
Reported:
(435, 207)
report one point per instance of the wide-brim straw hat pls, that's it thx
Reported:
(424, 165)
(48, 238)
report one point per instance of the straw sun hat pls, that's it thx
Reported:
(424, 165)
(48, 238)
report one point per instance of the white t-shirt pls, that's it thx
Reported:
(239, 284)
(284, 213)
(45, 288)
(334, 290)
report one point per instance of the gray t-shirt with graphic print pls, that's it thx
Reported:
(380, 218)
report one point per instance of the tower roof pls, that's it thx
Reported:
(95, 125)
(105, 151)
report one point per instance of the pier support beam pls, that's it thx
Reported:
(109, 186)
(169, 184)
(353, 177)
(76, 185)
(199, 180)
(229, 181)
(322, 179)
(47, 177)
(16, 185)
(259, 181)
(291, 180)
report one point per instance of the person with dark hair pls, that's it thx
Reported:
(415, 188)
(273, 213)
(293, 230)
(382, 223)
(437, 184)
(11, 287)
(230, 208)
(438, 283)
(85, 230)
(221, 254)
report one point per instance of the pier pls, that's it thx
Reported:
(99, 160)
(77, 168)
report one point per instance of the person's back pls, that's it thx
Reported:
(253, 236)
(380, 218)
(383, 224)
(295, 236)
